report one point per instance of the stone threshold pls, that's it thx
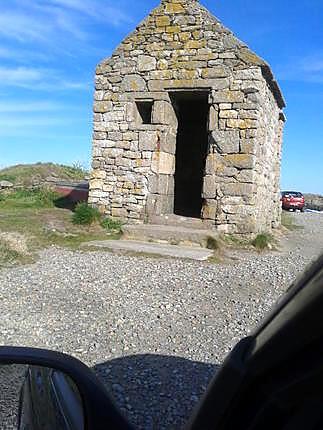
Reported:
(157, 249)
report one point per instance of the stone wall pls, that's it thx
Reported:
(181, 46)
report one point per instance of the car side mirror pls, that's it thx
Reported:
(43, 389)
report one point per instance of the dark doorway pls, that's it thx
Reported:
(191, 149)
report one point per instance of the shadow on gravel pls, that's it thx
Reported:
(155, 391)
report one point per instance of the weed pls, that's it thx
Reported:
(85, 214)
(111, 224)
(6, 253)
(215, 259)
(212, 243)
(233, 240)
(262, 241)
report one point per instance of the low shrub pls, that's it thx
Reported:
(85, 214)
(262, 241)
(111, 224)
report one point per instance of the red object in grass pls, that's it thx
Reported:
(78, 192)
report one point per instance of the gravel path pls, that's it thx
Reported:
(155, 330)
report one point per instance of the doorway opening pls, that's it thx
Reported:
(192, 111)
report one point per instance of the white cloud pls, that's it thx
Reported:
(313, 65)
(46, 27)
(22, 27)
(98, 10)
(307, 69)
(16, 123)
(22, 55)
(38, 79)
(19, 76)
(21, 106)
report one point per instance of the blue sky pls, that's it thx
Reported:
(49, 49)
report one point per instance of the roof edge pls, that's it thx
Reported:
(273, 85)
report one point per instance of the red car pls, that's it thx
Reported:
(293, 200)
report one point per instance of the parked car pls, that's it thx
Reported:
(272, 379)
(293, 200)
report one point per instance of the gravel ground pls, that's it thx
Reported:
(11, 382)
(155, 330)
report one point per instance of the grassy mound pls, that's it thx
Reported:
(27, 174)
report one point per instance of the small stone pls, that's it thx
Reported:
(6, 184)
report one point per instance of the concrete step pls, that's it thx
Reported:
(175, 235)
(161, 249)
(181, 221)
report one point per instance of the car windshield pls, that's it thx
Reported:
(145, 221)
(292, 194)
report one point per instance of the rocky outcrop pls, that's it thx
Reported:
(314, 201)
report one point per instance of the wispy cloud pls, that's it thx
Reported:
(21, 106)
(101, 11)
(19, 76)
(45, 28)
(313, 65)
(23, 55)
(308, 69)
(14, 123)
(22, 27)
(38, 79)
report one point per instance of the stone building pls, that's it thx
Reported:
(187, 121)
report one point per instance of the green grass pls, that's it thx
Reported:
(7, 177)
(33, 215)
(111, 224)
(23, 199)
(262, 241)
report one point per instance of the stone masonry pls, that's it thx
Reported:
(180, 46)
